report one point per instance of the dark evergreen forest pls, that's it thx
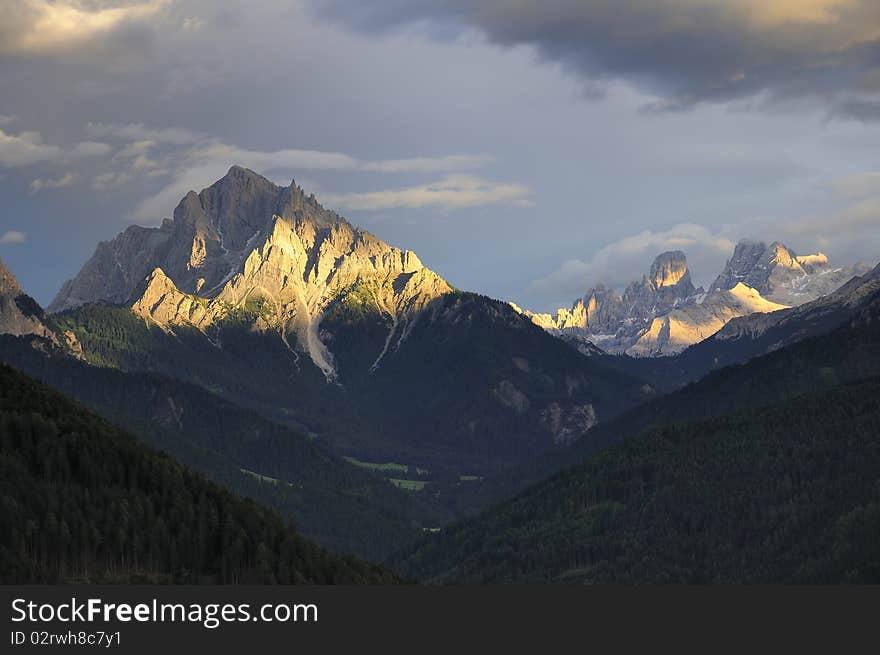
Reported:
(785, 494)
(82, 501)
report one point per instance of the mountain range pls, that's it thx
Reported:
(303, 363)
(261, 295)
(663, 313)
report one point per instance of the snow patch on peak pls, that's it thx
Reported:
(754, 301)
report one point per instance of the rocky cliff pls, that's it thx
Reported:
(662, 314)
(245, 247)
(782, 276)
(19, 313)
(617, 322)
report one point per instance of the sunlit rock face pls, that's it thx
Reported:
(670, 270)
(662, 314)
(19, 313)
(8, 284)
(780, 275)
(798, 321)
(201, 248)
(246, 247)
(692, 322)
(616, 322)
(602, 311)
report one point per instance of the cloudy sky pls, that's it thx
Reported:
(526, 150)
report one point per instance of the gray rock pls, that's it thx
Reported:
(206, 242)
(662, 314)
(20, 315)
(245, 242)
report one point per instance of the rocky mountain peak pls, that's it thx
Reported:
(152, 285)
(8, 283)
(781, 275)
(202, 246)
(245, 243)
(19, 313)
(781, 255)
(670, 268)
(663, 313)
(746, 255)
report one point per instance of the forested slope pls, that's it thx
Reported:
(787, 494)
(81, 501)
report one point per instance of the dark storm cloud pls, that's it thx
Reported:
(683, 51)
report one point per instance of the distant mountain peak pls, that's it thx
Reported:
(781, 255)
(669, 269)
(781, 275)
(615, 321)
(664, 313)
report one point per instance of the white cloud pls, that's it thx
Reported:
(429, 164)
(614, 264)
(90, 149)
(43, 27)
(453, 192)
(65, 180)
(139, 132)
(12, 237)
(847, 222)
(288, 158)
(192, 24)
(135, 149)
(110, 180)
(6, 119)
(194, 161)
(25, 148)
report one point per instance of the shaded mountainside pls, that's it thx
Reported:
(846, 354)
(787, 494)
(473, 388)
(343, 508)
(81, 501)
(475, 382)
(19, 313)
